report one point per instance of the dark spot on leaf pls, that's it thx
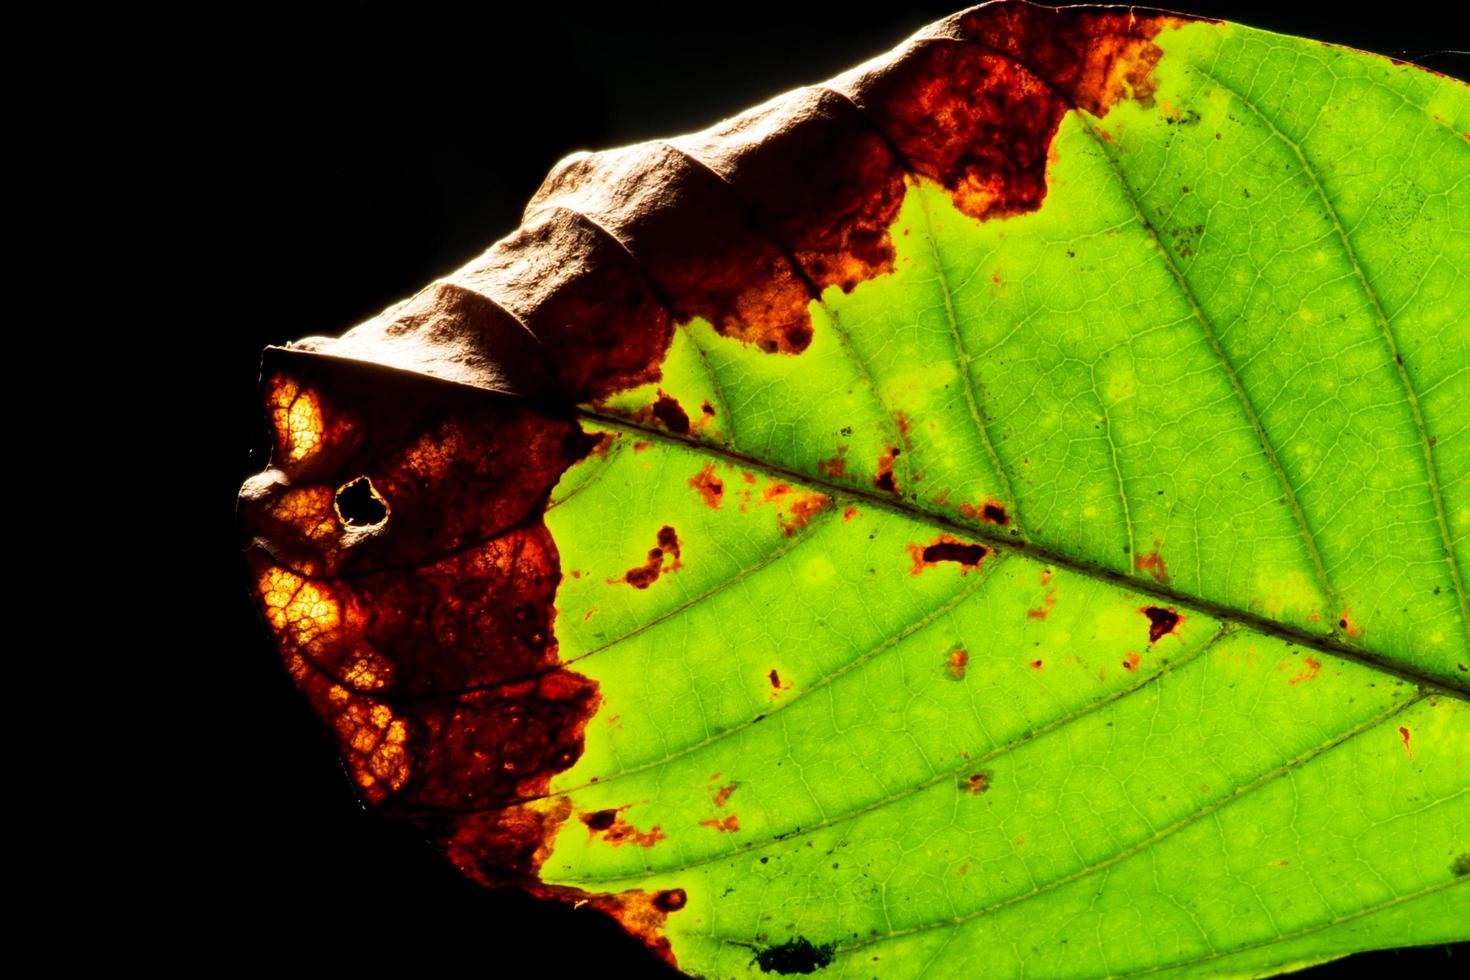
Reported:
(670, 901)
(1036, 665)
(884, 479)
(964, 554)
(1460, 866)
(775, 678)
(1161, 621)
(615, 831)
(359, 504)
(600, 820)
(710, 487)
(947, 548)
(795, 956)
(668, 411)
(976, 783)
(991, 512)
(664, 558)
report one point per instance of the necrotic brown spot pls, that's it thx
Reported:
(976, 783)
(964, 554)
(958, 661)
(600, 820)
(884, 479)
(670, 901)
(798, 955)
(668, 411)
(711, 488)
(947, 548)
(1161, 621)
(1153, 564)
(664, 558)
(725, 825)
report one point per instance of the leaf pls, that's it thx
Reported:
(1008, 505)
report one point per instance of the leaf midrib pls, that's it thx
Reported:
(1003, 543)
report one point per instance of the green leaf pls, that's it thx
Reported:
(1014, 517)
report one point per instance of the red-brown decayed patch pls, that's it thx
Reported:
(976, 782)
(604, 443)
(1308, 673)
(1348, 625)
(609, 827)
(1096, 57)
(711, 489)
(722, 796)
(1047, 602)
(959, 659)
(947, 548)
(991, 512)
(704, 418)
(663, 557)
(1036, 665)
(849, 513)
(836, 466)
(1162, 621)
(1405, 736)
(794, 506)
(883, 479)
(453, 466)
(670, 414)
(971, 120)
(725, 825)
(1131, 661)
(426, 648)
(1153, 564)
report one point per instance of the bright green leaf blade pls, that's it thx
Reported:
(1227, 358)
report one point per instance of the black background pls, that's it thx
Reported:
(347, 156)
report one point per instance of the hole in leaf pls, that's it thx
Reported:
(359, 504)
